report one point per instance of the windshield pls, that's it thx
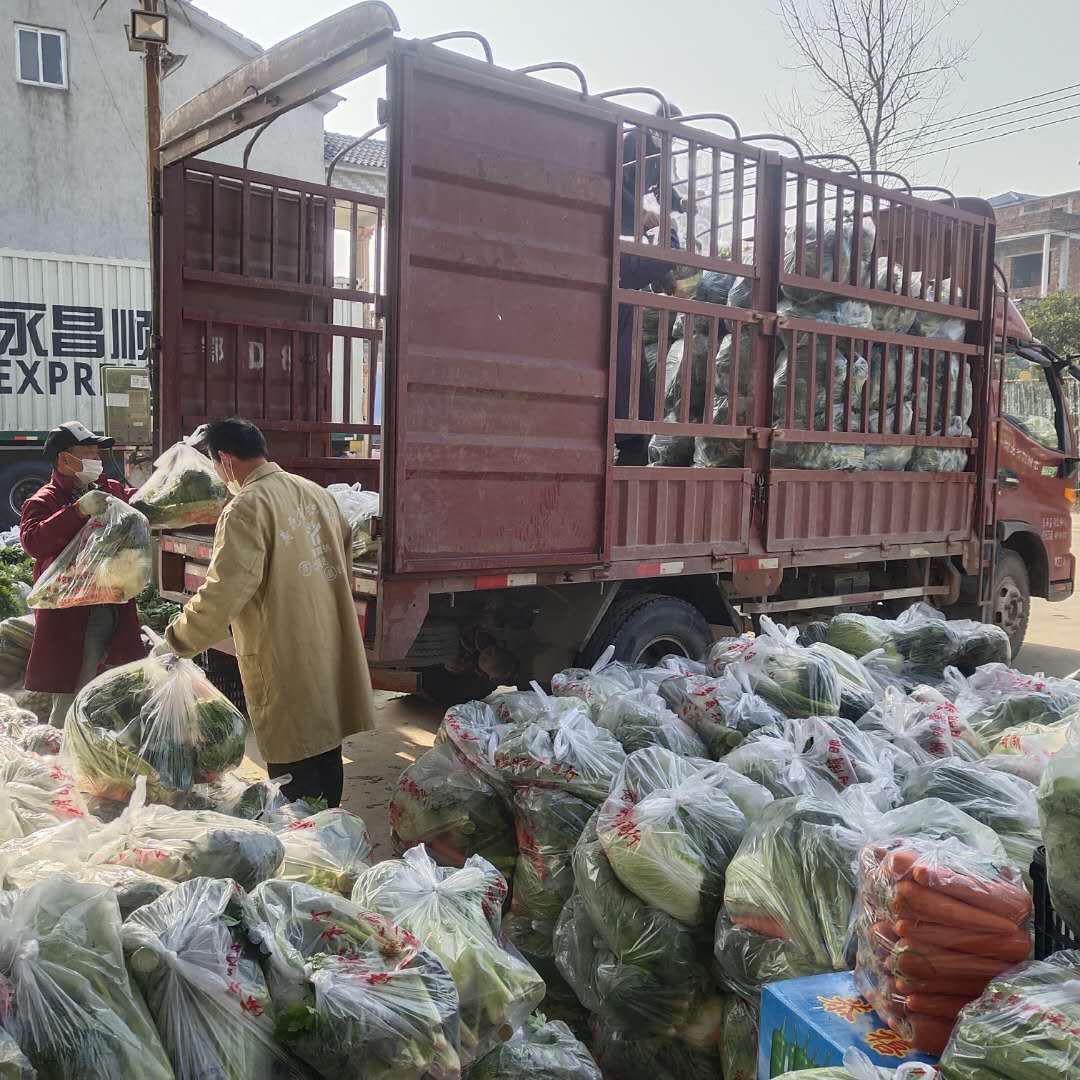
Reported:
(1028, 401)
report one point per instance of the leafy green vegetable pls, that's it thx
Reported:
(626, 1055)
(71, 1009)
(353, 993)
(329, 849)
(1059, 815)
(154, 610)
(795, 680)
(16, 569)
(640, 718)
(456, 915)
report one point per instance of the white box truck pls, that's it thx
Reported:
(62, 319)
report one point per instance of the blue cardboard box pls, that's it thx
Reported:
(809, 1024)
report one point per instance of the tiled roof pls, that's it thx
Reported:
(1011, 198)
(367, 154)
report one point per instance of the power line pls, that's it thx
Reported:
(1000, 135)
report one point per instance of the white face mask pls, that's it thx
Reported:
(91, 470)
(233, 486)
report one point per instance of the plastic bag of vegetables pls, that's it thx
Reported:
(725, 652)
(723, 710)
(69, 1004)
(527, 706)
(795, 680)
(201, 978)
(668, 829)
(184, 844)
(456, 915)
(541, 1050)
(329, 849)
(353, 993)
(183, 489)
(548, 823)
(858, 687)
(817, 756)
(42, 740)
(857, 1066)
(628, 1055)
(640, 718)
(595, 685)
(440, 802)
(107, 562)
(158, 718)
(34, 794)
(359, 507)
(932, 324)
(936, 921)
(828, 256)
(925, 730)
(1023, 1026)
(1059, 815)
(1005, 803)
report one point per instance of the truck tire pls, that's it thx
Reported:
(647, 626)
(1011, 597)
(17, 483)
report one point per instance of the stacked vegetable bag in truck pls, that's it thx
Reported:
(827, 344)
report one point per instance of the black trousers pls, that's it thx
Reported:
(321, 777)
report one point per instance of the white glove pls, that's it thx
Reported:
(161, 649)
(93, 504)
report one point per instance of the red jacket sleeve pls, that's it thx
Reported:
(44, 531)
(115, 487)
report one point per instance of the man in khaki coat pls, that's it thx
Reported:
(280, 576)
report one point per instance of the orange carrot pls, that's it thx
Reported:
(947, 1006)
(765, 925)
(926, 1033)
(899, 863)
(997, 895)
(1014, 946)
(969, 988)
(926, 963)
(914, 901)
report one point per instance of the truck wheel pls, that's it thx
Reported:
(1011, 598)
(17, 483)
(452, 688)
(647, 627)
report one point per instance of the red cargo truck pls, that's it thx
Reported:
(489, 310)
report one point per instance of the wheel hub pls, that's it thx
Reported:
(1009, 607)
(654, 651)
(22, 491)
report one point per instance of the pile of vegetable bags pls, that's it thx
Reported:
(649, 876)
(204, 985)
(456, 914)
(541, 1050)
(106, 562)
(921, 642)
(351, 992)
(359, 507)
(454, 810)
(158, 718)
(184, 489)
(70, 1009)
(1025, 1026)
(791, 887)
(936, 922)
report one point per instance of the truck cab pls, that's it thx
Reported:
(1035, 467)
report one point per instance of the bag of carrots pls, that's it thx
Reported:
(936, 921)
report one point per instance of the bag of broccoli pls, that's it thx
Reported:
(668, 829)
(184, 489)
(107, 562)
(453, 810)
(352, 993)
(158, 718)
(329, 849)
(541, 1050)
(456, 913)
(359, 507)
(184, 844)
(68, 1002)
(203, 983)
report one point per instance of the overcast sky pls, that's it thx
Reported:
(728, 56)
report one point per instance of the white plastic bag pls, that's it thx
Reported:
(182, 490)
(359, 507)
(330, 849)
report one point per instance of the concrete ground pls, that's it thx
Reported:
(405, 726)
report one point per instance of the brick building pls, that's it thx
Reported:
(1038, 242)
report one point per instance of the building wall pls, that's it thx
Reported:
(367, 181)
(1007, 250)
(1021, 230)
(73, 176)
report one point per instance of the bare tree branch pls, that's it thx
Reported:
(879, 75)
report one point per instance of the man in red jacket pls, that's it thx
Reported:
(71, 643)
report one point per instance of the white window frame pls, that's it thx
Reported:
(38, 31)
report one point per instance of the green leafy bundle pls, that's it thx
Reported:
(542, 1050)
(182, 490)
(329, 849)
